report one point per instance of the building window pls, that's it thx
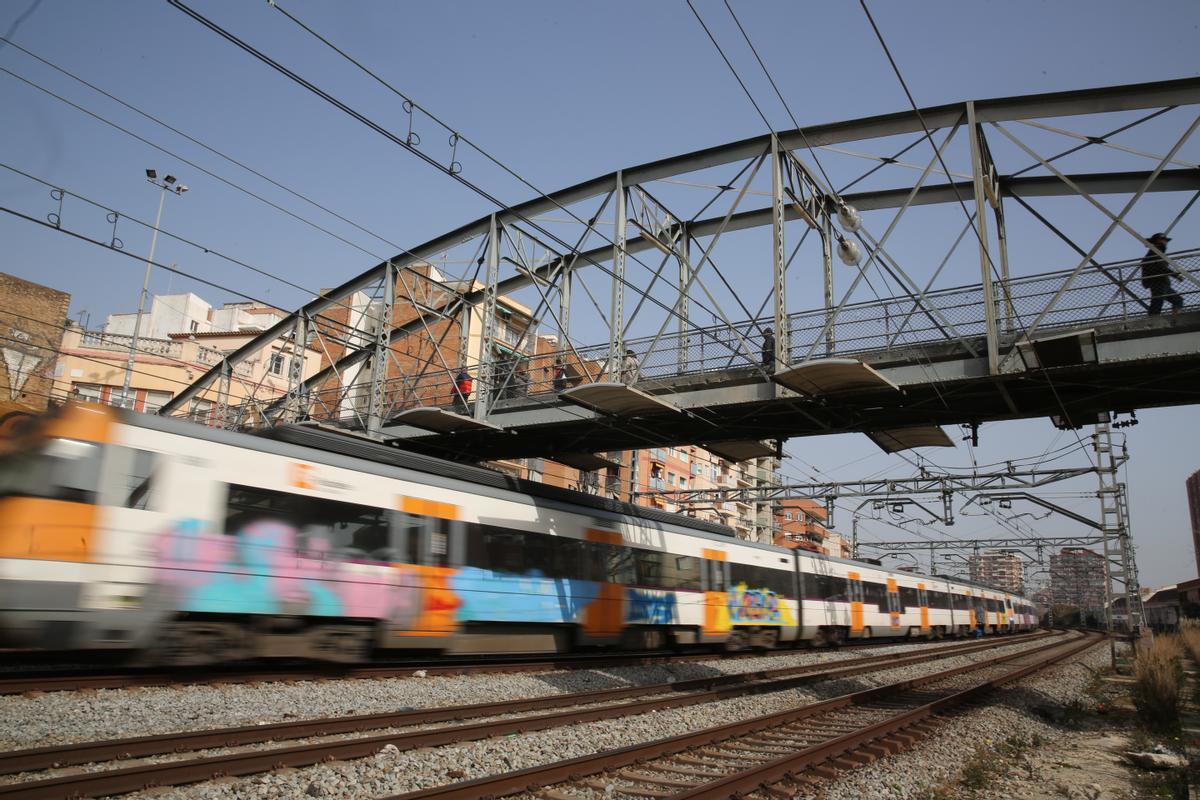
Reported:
(787, 515)
(276, 365)
(87, 392)
(155, 400)
(195, 326)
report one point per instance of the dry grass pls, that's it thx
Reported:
(1158, 681)
(1189, 632)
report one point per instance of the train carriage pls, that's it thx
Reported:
(186, 544)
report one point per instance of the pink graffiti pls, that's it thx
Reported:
(268, 567)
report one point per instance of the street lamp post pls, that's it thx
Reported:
(168, 184)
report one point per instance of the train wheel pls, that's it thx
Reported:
(766, 639)
(737, 641)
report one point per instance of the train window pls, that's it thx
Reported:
(344, 530)
(496, 549)
(908, 597)
(139, 476)
(826, 587)
(619, 564)
(875, 593)
(539, 554)
(64, 469)
(439, 542)
(666, 571)
(716, 576)
(682, 572)
(647, 568)
(408, 531)
(568, 558)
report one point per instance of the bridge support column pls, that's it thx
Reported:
(376, 399)
(683, 253)
(616, 321)
(223, 394)
(827, 275)
(486, 380)
(294, 407)
(779, 256)
(979, 173)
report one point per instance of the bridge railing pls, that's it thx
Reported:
(951, 319)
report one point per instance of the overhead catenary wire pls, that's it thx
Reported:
(402, 143)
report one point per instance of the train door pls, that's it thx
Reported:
(429, 539)
(854, 594)
(893, 605)
(950, 603)
(798, 584)
(923, 603)
(972, 623)
(716, 596)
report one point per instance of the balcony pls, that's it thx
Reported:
(115, 342)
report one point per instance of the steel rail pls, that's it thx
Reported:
(573, 770)
(138, 777)
(73, 680)
(784, 768)
(88, 752)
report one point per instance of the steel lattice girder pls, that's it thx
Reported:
(1185, 91)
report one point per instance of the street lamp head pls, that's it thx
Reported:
(170, 179)
(180, 189)
(151, 174)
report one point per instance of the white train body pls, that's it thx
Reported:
(130, 532)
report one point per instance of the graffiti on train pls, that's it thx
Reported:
(650, 607)
(748, 606)
(266, 567)
(527, 597)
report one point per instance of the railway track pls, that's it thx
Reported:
(20, 682)
(548, 712)
(772, 756)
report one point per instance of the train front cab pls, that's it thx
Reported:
(70, 508)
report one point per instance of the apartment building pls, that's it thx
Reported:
(181, 337)
(1077, 578)
(1002, 569)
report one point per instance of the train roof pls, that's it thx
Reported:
(351, 446)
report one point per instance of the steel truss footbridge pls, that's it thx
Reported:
(981, 286)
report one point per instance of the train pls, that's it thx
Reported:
(180, 544)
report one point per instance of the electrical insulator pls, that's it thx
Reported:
(849, 218)
(848, 252)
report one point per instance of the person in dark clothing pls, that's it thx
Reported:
(462, 391)
(560, 375)
(1157, 276)
(768, 350)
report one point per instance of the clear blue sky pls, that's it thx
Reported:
(561, 92)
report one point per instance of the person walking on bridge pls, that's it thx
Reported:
(1157, 275)
(768, 349)
(631, 370)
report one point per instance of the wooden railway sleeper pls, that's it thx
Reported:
(615, 788)
(633, 775)
(669, 767)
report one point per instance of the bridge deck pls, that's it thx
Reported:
(932, 348)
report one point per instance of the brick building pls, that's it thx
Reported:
(32, 321)
(799, 523)
(421, 370)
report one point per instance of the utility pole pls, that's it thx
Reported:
(168, 184)
(1120, 568)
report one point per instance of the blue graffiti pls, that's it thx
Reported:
(650, 607)
(489, 596)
